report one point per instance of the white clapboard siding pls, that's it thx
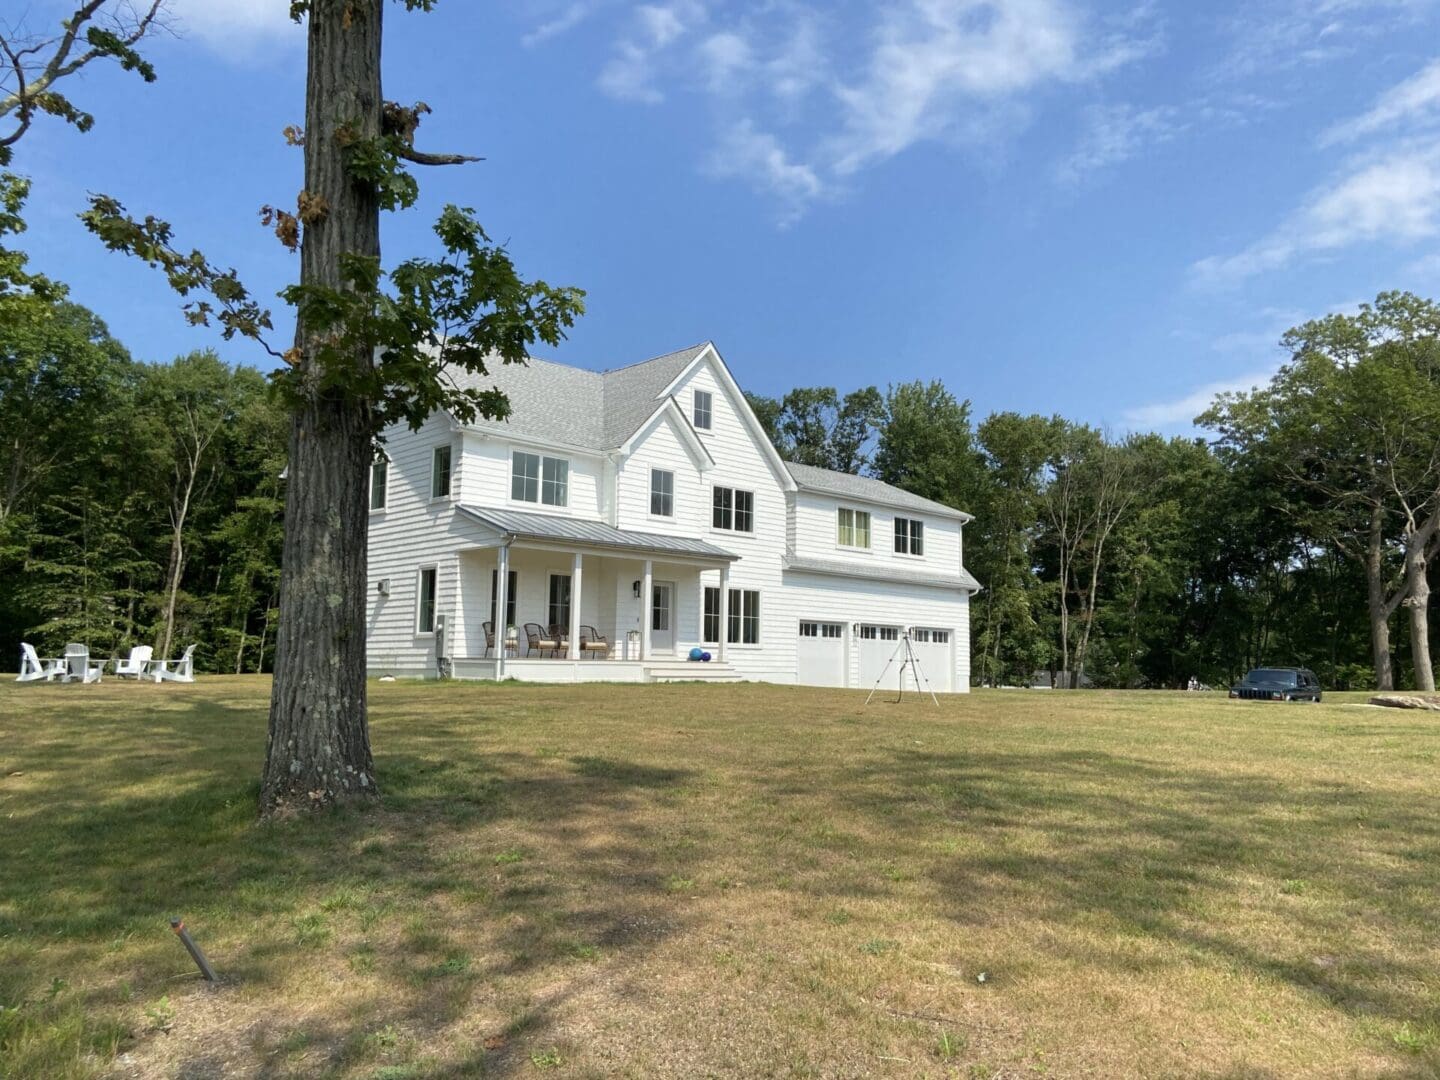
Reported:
(661, 448)
(817, 535)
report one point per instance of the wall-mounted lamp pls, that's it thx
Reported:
(383, 586)
(635, 588)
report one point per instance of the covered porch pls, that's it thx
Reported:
(582, 601)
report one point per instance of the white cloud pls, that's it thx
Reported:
(1394, 198)
(562, 23)
(631, 72)
(727, 59)
(1271, 36)
(760, 159)
(1180, 412)
(1415, 99)
(224, 23)
(1116, 133)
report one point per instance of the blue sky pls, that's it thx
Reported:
(1107, 210)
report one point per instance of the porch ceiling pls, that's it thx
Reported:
(554, 529)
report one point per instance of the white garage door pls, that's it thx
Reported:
(820, 654)
(935, 655)
(877, 646)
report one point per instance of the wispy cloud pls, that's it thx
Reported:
(632, 71)
(759, 158)
(561, 23)
(1416, 100)
(226, 23)
(1117, 133)
(1181, 411)
(1271, 36)
(1393, 198)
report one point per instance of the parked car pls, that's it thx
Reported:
(1278, 684)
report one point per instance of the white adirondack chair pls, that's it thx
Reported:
(33, 669)
(182, 670)
(78, 666)
(135, 666)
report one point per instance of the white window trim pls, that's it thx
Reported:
(550, 576)
(732, 531)
(370, 488)
(695, 392)
(419, 587)
(450, 493)
(759, 642)
(540, 502)
(720, 637)
(924, 537)
(870, 531)
(650, 495)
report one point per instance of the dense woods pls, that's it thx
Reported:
(141, 502)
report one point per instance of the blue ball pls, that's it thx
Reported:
(697, 654)
(705, 656)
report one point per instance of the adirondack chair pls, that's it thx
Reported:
(182, 670)
(536, 641)
(78, 666)
(135, 666)
(593, 643)
(34, 669)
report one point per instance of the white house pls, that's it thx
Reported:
(644, 513)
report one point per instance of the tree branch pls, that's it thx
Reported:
(419, 157)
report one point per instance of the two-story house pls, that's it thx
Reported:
(645, 506)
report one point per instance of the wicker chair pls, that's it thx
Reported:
(489, 628)
(593, 643)
(561, 633)
(537, 641)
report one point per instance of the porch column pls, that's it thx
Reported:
(502, 587)
(574, 651)
(647, 597)
(724, 612)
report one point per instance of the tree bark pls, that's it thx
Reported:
(1379, 610)
(319, 744)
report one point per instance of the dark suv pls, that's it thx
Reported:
(1278, 684)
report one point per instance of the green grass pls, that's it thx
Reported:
(724, 880)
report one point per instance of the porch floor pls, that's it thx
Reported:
(561, 670)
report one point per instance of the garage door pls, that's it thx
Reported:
(935, 655)
(877, 646)
(820, 654)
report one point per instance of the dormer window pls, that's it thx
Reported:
(702, 413)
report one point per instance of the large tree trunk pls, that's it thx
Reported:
(1417, 585)
(319, 745)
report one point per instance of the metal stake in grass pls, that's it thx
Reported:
(178, 926)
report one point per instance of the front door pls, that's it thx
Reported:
(662, 617)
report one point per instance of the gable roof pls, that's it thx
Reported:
(571, 406)
(867, 489)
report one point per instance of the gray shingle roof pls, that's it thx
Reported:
(530, 526)
(962, 580)
(868, 489)
(569, 405)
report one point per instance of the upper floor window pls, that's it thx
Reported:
(733, 509)
(853, 528)
(662, 493)
(440, 473)
(703, 414)
(534, 478)
(909, 536)
(379, 483)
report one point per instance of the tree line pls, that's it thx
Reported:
(1297, 531)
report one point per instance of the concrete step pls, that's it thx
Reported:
(689, 671)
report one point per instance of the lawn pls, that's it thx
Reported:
(724, 881)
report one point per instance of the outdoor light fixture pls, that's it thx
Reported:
(635, 588)
(383, 586)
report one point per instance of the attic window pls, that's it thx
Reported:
(702, 413)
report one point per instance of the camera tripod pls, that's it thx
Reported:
(913, 663)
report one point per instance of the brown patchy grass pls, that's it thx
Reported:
(724, 881)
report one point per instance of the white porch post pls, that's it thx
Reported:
(574, 651)
(724, 612)
(502, 587)
(647, 597)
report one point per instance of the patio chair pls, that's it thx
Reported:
(536, 641)
(78, 666)
(561, 634)
(489, 628)
(34, 669)
(135, 666)
(182, 670)
(593, 643)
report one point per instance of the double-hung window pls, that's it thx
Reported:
(853, 528)
(703, 414)
(662, 493)
(379, 483)
(733, 510)
(538, 479)
(744, 617)
(909, 536)
(559, 607)
(710, 631)
(425, 601)
(440, 473)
